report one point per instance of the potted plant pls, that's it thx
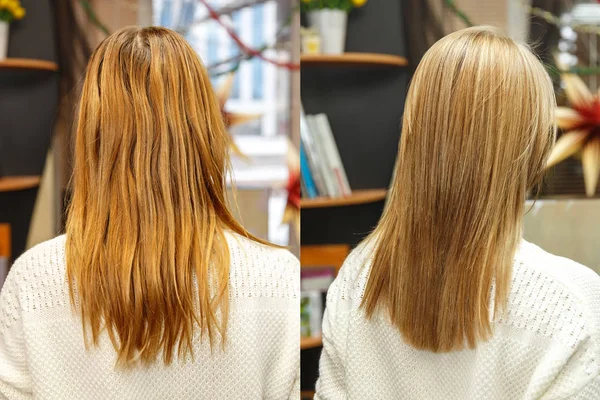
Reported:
(329, 18)
(10, 10)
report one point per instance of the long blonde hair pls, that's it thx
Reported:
(477, 128)
(146, 254)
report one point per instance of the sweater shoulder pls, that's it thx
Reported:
(259, 270)
(557, 299)
(573, 277)
(548, 293)
(256, 270)
(352, 278)
(545, 282)
(40, 272)
(50, 252)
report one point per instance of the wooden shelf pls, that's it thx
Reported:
(324, 255)
(15, 183)
(357, 197)
(28, 63)
(310, 342)
(5, 241)
(307, 394)
(354, 58)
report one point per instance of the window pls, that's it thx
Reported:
(259, 87)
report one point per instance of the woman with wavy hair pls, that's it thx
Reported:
(445, 300)
(155, 291)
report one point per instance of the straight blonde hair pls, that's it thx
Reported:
(147, 258)
(477, 129)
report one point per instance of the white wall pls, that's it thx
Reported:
(568, 228)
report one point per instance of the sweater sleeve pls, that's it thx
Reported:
(590, 391)
(295, 393)
(331, 383)
(15, 380)
(579, 378)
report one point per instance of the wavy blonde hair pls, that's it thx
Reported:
(147, 258)
(477, 129)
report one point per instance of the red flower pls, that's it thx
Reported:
(293, 189)
(581, 126)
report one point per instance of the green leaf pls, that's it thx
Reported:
(6, 16)
(344, 5)
(91, 14)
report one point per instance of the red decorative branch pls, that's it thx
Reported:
(243, 47)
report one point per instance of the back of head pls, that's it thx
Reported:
(477, 129)
(148, 211)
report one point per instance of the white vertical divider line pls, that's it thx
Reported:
(269, 70)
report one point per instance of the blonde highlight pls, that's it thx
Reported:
(478, 126)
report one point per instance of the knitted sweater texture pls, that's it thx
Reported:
(43, 355)
(546, 345)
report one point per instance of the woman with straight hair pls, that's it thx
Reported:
(155, 291)
(445, 300)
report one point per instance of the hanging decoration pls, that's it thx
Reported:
(232, 118)
(223, 93)
(246, 51)
(581, 126)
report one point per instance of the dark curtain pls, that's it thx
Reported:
(73, 51)
(422, 27)
(543, 36)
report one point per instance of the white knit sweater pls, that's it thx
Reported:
(42, 353)
(546, 346)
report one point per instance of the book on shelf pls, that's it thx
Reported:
(311, 313)
(333, 155)
(303, 190)
(331, 186)
(307, 179)
(323, 164)
(312, 156)
(316, 278)
(314, 285)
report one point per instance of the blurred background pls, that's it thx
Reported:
(357, 59)
(248, 48)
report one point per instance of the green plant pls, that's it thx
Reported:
(345, 5)
(91, 14)
(11, 10)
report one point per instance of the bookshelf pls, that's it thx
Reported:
(29, 64)
(362, 92)
(354, 59)
(357, 197)
(16, 183)
(319, 256)
(29, 100)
